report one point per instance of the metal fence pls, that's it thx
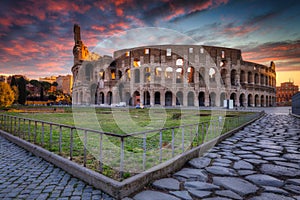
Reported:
(118, 155)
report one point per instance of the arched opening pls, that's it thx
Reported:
(267, 101)
(179, 75)
(119, 74)
(101, 98)
(191, 98)
(157, 98)
(136, 76)
(157, 72)
(81, 97)
(250, 77)
(113, 74)
(179, 62)
(212, 99)
(168, 98)
(179, 98)
(222, 98)
(242, 100)
(262, 101)
(223, 77)
(136, 62)
(243, 77)
(233, 97)
(250, 100)
(109, 98)
(212, 75)
(147, 75)
(191, 71)
(256, 100)
(256, 81)
(169, 74)
(262, 80)
(136, 98)
(233, 77)
(201, 99)
(146, 98)
(128, 74)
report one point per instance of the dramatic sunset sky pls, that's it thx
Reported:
(36, 37)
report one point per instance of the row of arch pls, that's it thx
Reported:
(180, 98)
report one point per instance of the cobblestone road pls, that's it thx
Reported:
(25, 176)
(261, 162)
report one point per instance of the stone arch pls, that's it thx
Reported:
(168, 98)
(169, 74)
(136, 97)
(242, 100)
(128, 99)
(94, 95)
(88, 72)
(262, 100)
(223, 77)
(212, 99)
(256, 100)
(250, 77)
(250, 100)
(158, 74)
(179, 75)
(81, 97)
(267, 101)
(212, 75)
(233, 97)
(233, 75)
(190, 74)
(157, 98)
(190, 98)
(222, 98)
(109, 98)
(256, 79)
(201, 99)
(262, 79)
(137, 76)
(146, 98)
(101, 98)
(243, 77)
(147, 75)
(179, 98)
(201, 76)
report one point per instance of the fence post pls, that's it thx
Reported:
(101, 154)
(60, 138)
(173, 153)
(182, 139)
(50, 140)
(160, 146)
(84, 147)
(29, 124)
(42, 139)
(71, 143)
(145, 150)
(122, 158)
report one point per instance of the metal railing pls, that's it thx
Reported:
(118, 155)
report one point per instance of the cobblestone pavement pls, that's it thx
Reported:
(25, 176)
(260, 162)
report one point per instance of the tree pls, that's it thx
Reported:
(7, 95)
(22, 90)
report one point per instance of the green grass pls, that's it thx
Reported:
(120, 121)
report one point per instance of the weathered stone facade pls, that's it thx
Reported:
(173, 75)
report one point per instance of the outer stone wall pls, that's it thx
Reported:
(174, 75)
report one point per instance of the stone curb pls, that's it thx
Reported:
(131, 185)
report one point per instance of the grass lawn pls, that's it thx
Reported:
(140, 153)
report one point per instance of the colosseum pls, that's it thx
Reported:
(170, 75)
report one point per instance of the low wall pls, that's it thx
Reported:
(296, 104)
(131, 185)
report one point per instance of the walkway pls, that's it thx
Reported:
(261, 162)
(25, 176)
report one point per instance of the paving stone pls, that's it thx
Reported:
(200, 162)
(217, 198)
(167, 184)
(255, 161)
(150, 195)
(182, 195)
(265, 180)
(266, 154)
(245, 172)
(293, 181)
(242, 165)
(238, 185)
(288, 164)
(250, 156)
(194, 174)
(218, 170)
(200, 185)
(199, 193)
(292, 188)
(228, 193)
(274, 190)
(270, 196)
(277, 170)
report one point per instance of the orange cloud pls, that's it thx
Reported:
(119, 12)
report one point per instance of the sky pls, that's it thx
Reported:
(36, 37)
